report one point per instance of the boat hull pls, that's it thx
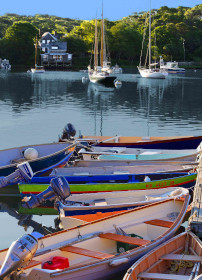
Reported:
(107, 267)
(176, 71)
(147, 73)
(175, 143)
(155, 259)
(104, 80)
(186, 181)
(36, 71)
(115, 201)
(55, 155)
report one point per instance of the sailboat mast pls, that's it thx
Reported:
(36, 46)
(150, 36)
(96, 47)
(102, 39)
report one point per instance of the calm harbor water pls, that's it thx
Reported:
(35, 109)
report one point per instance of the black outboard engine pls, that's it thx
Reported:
(69, 132)
(58, 189)
(19, 254)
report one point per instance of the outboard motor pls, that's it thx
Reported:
(69, 132)
(59, 188)
(19, 254)
(23, 173)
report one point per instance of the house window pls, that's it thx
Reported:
(44, 41)
(57, 57)
(54, 47)
(48, 41)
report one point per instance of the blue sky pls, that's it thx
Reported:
(86, 9)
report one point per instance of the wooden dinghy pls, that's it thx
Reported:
(172, 142)
(106, 183)
(179, 258)
(101, 249)
(40, 157)
(82, 204)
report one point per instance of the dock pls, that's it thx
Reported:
(195, 220)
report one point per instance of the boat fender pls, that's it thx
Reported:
(31, 154)
(119, 262)
(147, 179)
(176, 192)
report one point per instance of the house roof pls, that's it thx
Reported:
(48, 34)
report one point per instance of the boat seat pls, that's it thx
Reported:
(162, 276)
(179, 257)
(125, 239)
(160, 223)
(86, 252)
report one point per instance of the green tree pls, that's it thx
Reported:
(19, 39)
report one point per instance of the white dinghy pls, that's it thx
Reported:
(100, 249)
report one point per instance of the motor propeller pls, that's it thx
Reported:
(58, 189)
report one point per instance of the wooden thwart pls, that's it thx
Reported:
(178, 257)
(86, 252)
(162, 276)
(125, 239)
(160, 223)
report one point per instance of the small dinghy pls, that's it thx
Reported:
(97, 250)
(178, 259)
(110, 183)
(41, 157)
(140, 154)
(110, 170)
(148, 142)
(82, 204)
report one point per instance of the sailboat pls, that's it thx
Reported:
(151, 72)
(37, 69)
(100, 74)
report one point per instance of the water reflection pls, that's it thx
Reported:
(36, 107)
(11, 206)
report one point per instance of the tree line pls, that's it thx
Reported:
(176, 34)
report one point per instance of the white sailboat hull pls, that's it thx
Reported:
(148, 73)
(100, 77)
(37, 70)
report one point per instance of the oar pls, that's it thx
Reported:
(106, 140)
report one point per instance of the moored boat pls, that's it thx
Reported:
(170, 167)
(82, 204)
(178, 258)
(166, 143)
(41, 157)
(101, 74)
(134, 154)
(151, 72)
(101, 249)
(171, 67)
(106, 184)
